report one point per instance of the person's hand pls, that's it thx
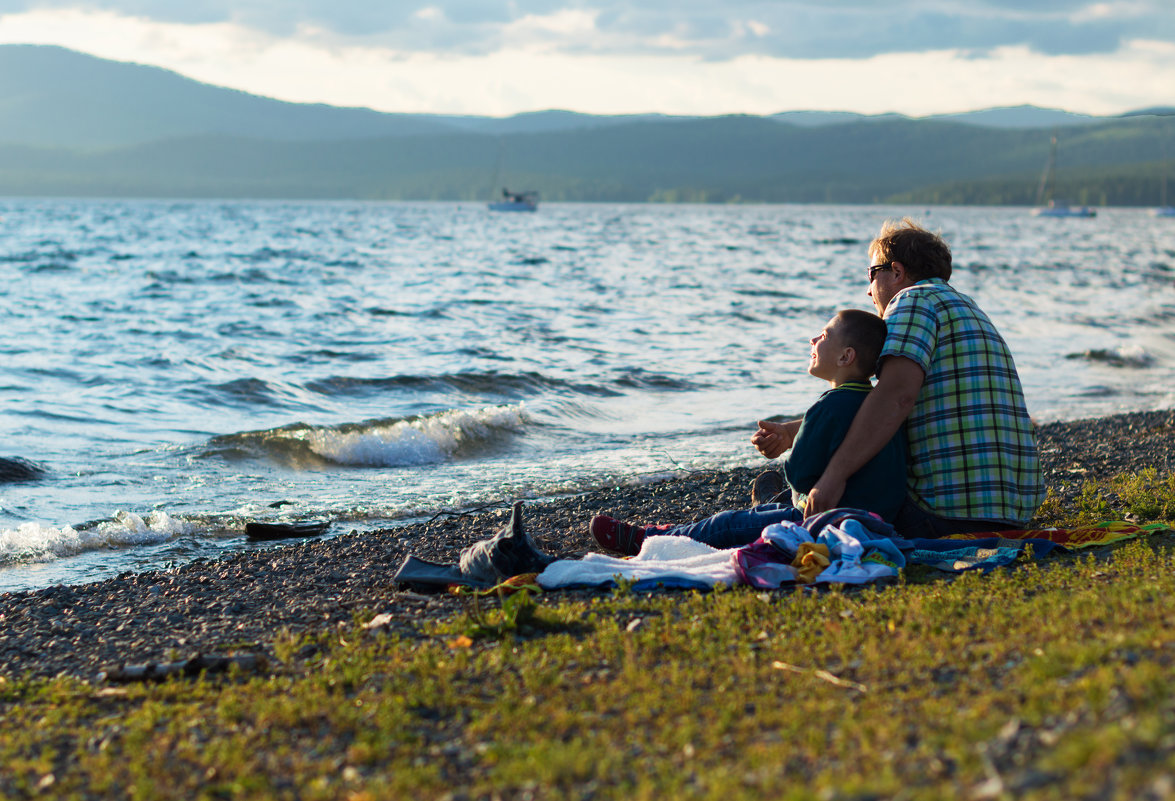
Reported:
(772, 439)
(824, 495)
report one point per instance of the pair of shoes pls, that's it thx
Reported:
(768, 487)
(616, 535)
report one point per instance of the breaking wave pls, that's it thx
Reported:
(35, 542)
(454, 434)
(1127, 356)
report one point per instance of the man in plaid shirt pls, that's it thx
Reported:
(947, 374)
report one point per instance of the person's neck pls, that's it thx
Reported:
(855, 378)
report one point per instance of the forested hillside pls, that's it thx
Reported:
(71, 124)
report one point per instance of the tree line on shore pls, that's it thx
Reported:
(719, 160)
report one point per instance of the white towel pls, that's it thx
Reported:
(661, 558)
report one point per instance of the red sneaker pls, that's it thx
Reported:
(616, 535)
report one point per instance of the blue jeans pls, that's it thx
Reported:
(736, 528)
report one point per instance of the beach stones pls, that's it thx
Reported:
(245, 599)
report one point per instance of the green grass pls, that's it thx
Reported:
(1055, 680)
(1140, 497)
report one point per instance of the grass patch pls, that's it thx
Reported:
(1140, 497)
(1052, 681)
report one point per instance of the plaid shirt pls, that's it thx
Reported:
(972, 448)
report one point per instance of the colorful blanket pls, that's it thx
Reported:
(1085, 537)
(985, 554)
(852, 551)
(678, 562)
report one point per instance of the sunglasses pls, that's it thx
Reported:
(876, 268)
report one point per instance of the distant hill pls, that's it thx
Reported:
(1024, 117)
(818, 119)
(72, 124)
(53, 97)
(547, 122)
(1020, 117)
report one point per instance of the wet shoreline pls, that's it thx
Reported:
(241, 602)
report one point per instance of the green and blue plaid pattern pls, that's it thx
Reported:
(971, 446)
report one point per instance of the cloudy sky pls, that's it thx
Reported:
(500, 57)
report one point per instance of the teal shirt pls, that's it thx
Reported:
(879, 486)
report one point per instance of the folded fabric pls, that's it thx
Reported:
(787, 537)
(764, 565)
(810, 561)
(955, 556)
(859, 555)
(663, 561)
(857, 545)
(833, 517)
(1082, 537)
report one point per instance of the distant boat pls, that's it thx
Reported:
(1046, 206)
(1164, 209)
(511, 201)
(516, 201)
(1061, 209)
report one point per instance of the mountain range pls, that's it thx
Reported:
(73, 124)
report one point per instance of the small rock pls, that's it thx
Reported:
(380, 621)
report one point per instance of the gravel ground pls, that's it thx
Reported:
(238, 603)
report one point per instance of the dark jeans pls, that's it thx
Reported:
(913, 522)
(736, 528)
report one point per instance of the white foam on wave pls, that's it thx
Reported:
(36, 542)
(1132, 355)
(1135, 355)
(424, 440)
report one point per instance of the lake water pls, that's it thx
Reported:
(179, 368)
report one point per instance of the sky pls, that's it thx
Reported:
(692, 57)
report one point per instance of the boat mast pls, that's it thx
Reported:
(1166, 168)
(1044, 193)
(494, 185)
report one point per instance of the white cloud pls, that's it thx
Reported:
(758, 28)
(534, 71)
(550, 31)
(127, 38)
(734, 28)
(1099, 12)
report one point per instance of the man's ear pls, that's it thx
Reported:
(848, 355)
(900, 273)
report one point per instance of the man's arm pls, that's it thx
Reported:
(878, 419)
(772, 439)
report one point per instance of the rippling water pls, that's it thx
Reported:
(179, 368)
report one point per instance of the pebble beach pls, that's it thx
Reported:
(241, 603)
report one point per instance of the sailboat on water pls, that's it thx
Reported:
(512, 201)
(516, 201)
(1046, 205)
(1165, 209)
